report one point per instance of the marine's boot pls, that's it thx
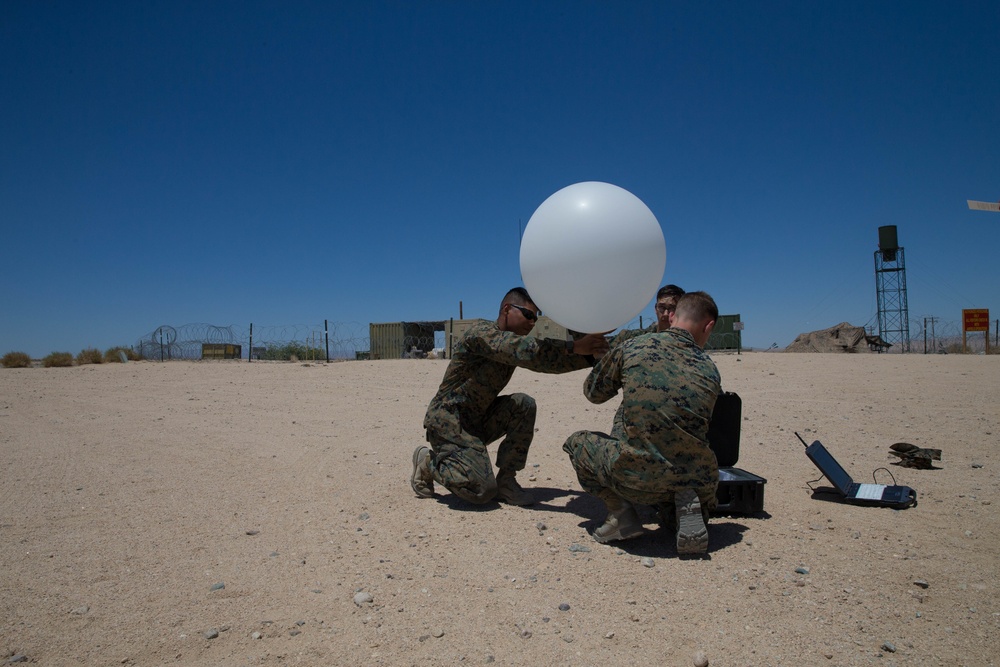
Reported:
(622, 522)
(510, 492)
(692, 533)
(422, 480)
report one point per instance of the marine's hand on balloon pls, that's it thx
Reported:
(593, 344)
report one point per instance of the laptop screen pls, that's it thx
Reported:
(829, 467)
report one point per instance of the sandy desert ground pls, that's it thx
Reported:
(233, 513)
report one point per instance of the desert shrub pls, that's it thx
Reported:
(90, 355)
(111, 355)
(16, 360)
(58, 360)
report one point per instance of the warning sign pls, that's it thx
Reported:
(975, 319)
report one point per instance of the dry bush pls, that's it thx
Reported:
(58, 360)
(113, 354)
(15, 360)
(90, 355)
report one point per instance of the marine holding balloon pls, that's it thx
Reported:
(658, 452)
(468, 412)
(661, 456)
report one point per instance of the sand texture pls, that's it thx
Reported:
(226, 513)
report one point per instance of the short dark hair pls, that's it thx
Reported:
(669, 290)
(697, 306)
(517, 296)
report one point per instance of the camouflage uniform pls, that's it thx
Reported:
(467, 412)
(618, 426)
(628, 334)
(669, 390)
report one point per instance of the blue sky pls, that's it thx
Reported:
(286, 163)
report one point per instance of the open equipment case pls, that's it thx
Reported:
(740, 492)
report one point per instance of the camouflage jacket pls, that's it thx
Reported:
(482, 364)
(617, 428)
(629, 334)
(669, 387)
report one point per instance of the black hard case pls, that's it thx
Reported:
(740, 492)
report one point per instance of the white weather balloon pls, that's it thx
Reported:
(592, 256)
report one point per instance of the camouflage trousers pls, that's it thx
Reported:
(462, 465)
(618, 426)
(595, 457)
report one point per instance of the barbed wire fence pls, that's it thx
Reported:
(940, 336)
(350, 340)
(342, 340)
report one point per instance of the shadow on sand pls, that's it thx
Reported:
(542, 496)
(658, 542)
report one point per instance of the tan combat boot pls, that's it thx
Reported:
(510, 492)
(622, 522)
(422, 480)
(692, 533)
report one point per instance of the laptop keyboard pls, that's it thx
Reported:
(870, 491)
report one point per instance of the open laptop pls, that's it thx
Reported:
(863, 494)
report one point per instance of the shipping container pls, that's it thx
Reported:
(399, 340)
(725, 336)
(546, 327)
(453, 332)
(221, 351)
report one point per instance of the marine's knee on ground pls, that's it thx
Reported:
(590, 453)
(478, 494)
(526, 405)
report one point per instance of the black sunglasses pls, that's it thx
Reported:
(528, 313)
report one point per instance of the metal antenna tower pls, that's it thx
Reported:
(890, 290)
